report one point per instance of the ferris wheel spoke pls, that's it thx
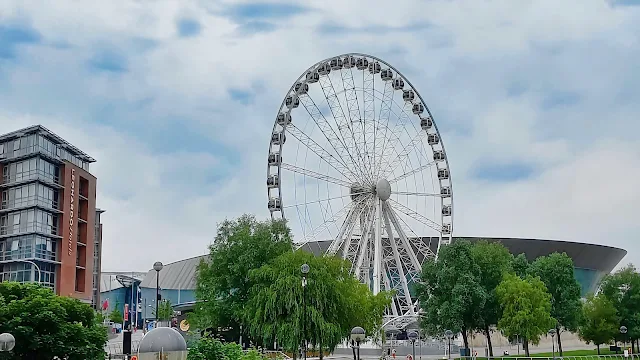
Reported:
(383, 116)
(323, 154)
(411, 172)
(314, 174)
(403, 118)
(353, 109)
(369, 113)
(332, 137)
(414, 215)
(344, 124)
(396, 267)
(391, 166)
(347, 226)
(325, 225)
(327, 199)
(416, 193)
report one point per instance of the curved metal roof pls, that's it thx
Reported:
(178, 275)
(587, 256)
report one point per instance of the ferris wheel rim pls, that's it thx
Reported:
(302, 79)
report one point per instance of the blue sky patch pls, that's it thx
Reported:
(507, 172)
(242, 96)
(11, 36)
(108, 61)
(560, 98)
(257, 26)
(188, 27)
(254, 11)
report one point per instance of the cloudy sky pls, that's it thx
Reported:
(538, 104)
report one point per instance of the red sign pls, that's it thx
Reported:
(126, 312)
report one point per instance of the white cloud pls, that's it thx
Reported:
(163, 201)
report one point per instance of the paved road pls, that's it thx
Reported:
(114, 345)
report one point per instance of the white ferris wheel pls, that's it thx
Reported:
(357, 167)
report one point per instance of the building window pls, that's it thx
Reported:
(28, 247)
(31, 220)
(25, 272)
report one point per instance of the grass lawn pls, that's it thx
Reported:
(604, 350)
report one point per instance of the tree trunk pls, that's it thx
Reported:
(525, 344)
(487, 333)
(598, 346)
(320, 347)
(559, 342)
(464, 338)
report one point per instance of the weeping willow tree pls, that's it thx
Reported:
(335, 302)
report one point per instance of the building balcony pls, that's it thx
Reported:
(26, 152)
(29, 228)
(27, 202)
(30, 176)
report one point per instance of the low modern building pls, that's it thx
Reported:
(50, 229)
(178, 280)
(591, 261)
(121, 291)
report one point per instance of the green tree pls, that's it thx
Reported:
(207, 349)
(450, 292)
(116, 315)
(494, 261)
(335, 302)
(556, 272)
(223, 282)
(46, 325)
(165, 310)
(599, 321)
(622, 288)
(520, 265)
(526, 309)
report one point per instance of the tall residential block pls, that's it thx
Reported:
(50, 229)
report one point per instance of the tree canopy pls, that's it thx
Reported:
(165, 310)
(599, 321)
(526, 308)
(46, 325)
(556, 272)
(223, 281)
(494, 261)
(335, 302)
(622, 288)
(450, 291)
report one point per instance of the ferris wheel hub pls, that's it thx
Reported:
(383, 189)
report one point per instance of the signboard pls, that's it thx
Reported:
(126, 312)
(72, 197)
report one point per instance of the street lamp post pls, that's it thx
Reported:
(304, 269)
(413, 336)
(623, 331)
(357, 336)
(7, 342)
(449, 334)
(157, 266)
(552, 332)
(32, 263)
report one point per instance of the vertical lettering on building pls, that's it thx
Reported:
(72, 196)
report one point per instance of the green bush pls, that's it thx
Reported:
(212, 349)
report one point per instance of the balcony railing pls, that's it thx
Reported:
(11, 154)
(28, 201)
(31, 226)
(30, 175)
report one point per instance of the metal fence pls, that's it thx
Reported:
(581, 357)
(116, 349)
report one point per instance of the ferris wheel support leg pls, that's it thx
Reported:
(396, 255)
(377, 255)
(387, 287)
(403, 237)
